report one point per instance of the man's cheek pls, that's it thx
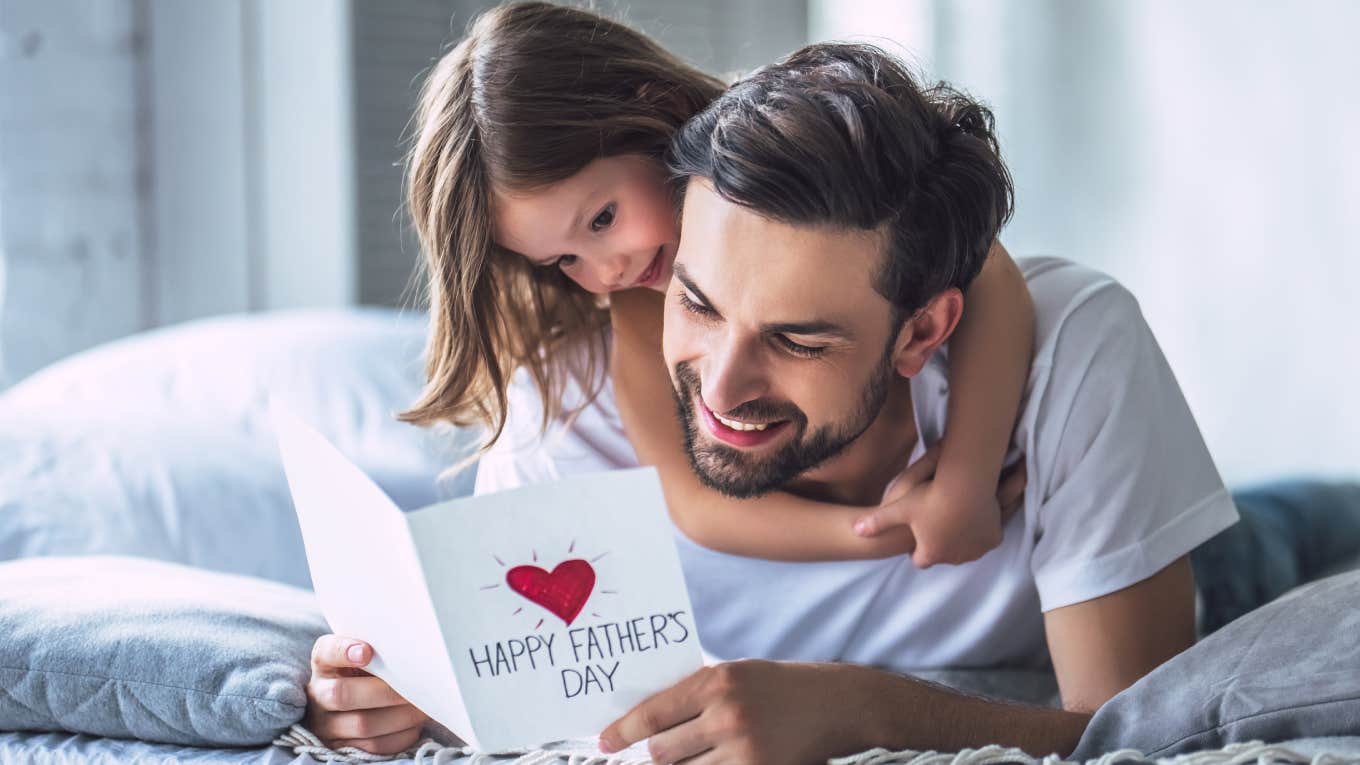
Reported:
(677, 338)
(812, 395)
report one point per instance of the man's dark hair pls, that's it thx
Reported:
(841, 134)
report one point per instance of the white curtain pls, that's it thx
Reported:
(1205, 154)
(4, 374)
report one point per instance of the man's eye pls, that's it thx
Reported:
(798, 349)
(604, 220)
(693, 307)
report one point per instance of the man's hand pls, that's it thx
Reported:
(750, 712)
(347, 706)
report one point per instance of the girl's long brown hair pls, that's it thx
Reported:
(532, 95)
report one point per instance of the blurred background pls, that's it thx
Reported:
(166, 160)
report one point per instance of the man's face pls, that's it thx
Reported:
(779, 347)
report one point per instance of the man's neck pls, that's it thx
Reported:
(860, 474)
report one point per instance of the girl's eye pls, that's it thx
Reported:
(561, 261)
(798, 349)
(693, 307)
(604, 220)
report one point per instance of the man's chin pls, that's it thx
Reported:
(735, 475)
(727, 484)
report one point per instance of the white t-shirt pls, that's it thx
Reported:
(1120, 485)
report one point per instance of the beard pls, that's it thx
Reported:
(735, 473)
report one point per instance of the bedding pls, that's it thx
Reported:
(348, 370)
(159, 445)
(1289, 668)
(135, 648)
(68, 749)
(155, 489)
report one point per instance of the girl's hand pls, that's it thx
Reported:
(347, 706)
(952, 523)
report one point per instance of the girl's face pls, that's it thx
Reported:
(609, 227)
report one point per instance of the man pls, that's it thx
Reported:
(830, 207)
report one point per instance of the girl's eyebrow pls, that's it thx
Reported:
(576, 221)
(590, 202)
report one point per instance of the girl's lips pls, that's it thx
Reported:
(653, 270)
(744, 439)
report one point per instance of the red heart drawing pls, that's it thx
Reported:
(564, 591)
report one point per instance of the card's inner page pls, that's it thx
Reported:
(562, 604)
(366, 573)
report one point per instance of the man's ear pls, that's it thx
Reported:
(922, 334)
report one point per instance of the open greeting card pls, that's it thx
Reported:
(513, 619)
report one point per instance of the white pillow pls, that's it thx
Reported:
(160, 445)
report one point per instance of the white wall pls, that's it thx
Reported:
(204, 230)
(720, 36)
(162, 160)
(144, 141)
(73, 184)
(306, 132)
(1205, 154)
(253, 155)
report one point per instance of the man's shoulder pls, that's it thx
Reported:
(1078, 308)
(1121, 479)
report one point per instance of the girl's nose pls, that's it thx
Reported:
(611, 270)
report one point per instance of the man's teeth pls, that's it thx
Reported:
(733, 424)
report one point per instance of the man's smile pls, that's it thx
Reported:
(744, 435)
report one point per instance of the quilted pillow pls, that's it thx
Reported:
(135, 648)
(1290, 669)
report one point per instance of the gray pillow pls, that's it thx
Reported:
(135, 648)
(1290, 669)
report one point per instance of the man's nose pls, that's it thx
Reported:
(736, 374)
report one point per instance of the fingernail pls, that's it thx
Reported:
(607, 746)
(862, 528)
(355, 652)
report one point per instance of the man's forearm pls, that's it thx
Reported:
(905, 713)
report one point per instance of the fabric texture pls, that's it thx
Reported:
(1120, 485)
(1316, 751)
(1288, 669)
(1291, 532)
(160, 444)
(134, 648)
(73, 749)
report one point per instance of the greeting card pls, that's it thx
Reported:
(513, 619)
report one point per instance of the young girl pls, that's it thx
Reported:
(537, 185)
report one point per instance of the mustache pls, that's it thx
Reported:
(759, 410)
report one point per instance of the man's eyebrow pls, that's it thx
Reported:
(819, 328)
(682, 274)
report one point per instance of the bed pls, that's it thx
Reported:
(158, 447)
(67, 749)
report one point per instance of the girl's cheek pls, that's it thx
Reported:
(585, 283)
